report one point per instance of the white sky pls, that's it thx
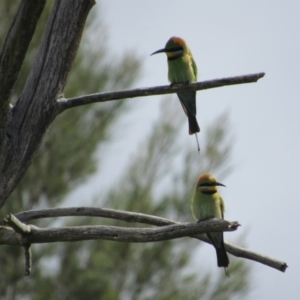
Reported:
(230, 38)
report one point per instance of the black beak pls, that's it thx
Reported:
(221, 184)
(159, 51)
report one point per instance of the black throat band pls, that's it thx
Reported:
(208, 192)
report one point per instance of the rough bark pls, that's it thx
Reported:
(13, 54)
(37, 106)
(38, 235)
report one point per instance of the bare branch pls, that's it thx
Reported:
(145, 219)
(13, 53)
(120, 234)
(159, 90)
(17, 225)
(248, 254)
(131, 217)
(266, 260)
(28, 260)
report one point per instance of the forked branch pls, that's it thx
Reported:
(126, 234)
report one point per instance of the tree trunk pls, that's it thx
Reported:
(37, 106)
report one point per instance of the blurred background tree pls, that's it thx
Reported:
(67, 157)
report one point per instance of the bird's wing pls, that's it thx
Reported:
(195, 69)
(222, 207)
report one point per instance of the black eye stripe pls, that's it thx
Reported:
(175, 49)
(208, 184)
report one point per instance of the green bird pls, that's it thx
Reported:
(207, 203)
(183, 69)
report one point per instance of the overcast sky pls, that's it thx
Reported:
(230, 38)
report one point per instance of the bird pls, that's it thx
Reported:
(206, 204)
(183, 69)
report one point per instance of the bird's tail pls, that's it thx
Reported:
(193, 124)
(188, 103)
(222, 257)
(223, 260)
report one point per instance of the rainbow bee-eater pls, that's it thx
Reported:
(183, 69)
(207, 203)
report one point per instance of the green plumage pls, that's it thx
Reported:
(206, 204)
(183, 69)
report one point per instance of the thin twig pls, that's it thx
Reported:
(82, 211)
(266, 260)
(158, 90)
(17, 225)
(23, 230)
(248, 254)
(28, 260)
(145, 219)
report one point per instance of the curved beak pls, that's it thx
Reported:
(220, 184)
(159, 51)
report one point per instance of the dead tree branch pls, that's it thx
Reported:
(31, 116)
(13, 53)
(17, 225)
(37, 107)
(23, 230)
(120, 234)
(145, 219)
(158, 90)
(28, 259)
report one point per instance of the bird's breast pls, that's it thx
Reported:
(206, 206)
(181, 71)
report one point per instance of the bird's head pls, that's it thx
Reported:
(175, 47)
(207, 184)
